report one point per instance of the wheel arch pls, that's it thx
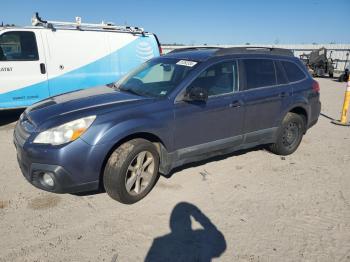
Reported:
(161, 148)
(299, 110)
(300, 107)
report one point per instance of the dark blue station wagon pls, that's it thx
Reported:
(183, 107)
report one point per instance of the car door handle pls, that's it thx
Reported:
(42, 68)
(283, 94)
(235, 104)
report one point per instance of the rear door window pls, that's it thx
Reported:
(259, 73)
(294, 73)
(18, 46)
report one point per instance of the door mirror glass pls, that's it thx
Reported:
(196, 94)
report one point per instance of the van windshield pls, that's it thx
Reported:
(156, 78)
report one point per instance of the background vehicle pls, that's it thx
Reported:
(179, 108)
(318, 62)
(52, 58)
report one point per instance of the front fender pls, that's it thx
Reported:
(111, 134)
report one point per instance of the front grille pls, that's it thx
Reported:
(23, 130)
(20, 134)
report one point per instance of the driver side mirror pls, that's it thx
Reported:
(196, 94)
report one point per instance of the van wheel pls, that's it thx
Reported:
(131, 171)
(289, 135)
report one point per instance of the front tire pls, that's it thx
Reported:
(131, 171)
(289, 135)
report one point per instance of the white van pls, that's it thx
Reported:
(51, 58)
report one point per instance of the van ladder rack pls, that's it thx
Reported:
(37, 21)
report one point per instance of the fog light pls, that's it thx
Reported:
(47, 179)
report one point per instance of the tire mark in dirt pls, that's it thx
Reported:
(344, 199)
(44, 202)
(168, 186)
(3, 204)
(60, 238)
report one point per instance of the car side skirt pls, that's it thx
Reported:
(196, 153)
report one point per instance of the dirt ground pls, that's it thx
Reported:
(248, 206)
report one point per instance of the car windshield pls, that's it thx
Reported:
(156, 78)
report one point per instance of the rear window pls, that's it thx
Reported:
(259, 73)
(294, 73)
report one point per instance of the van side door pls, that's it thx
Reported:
(78, 59)
(266, 91)
(23, 77)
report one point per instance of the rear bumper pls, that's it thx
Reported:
(315, 114)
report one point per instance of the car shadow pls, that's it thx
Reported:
(90, 193)
(184, 243)
(180, 168)
(213, 159)
(9, 116)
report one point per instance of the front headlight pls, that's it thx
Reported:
(65, 133)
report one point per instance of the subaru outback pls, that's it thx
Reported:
(183, 107)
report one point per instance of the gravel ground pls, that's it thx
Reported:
(248, 206)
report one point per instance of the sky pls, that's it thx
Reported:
(203, 21)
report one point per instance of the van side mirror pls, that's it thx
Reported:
(196, 94)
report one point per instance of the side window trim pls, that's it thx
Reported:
(37, 58)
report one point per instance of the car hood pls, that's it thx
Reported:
(92, 100)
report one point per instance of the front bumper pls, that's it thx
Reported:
(75, 167)
(62, 179)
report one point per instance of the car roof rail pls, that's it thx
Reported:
(194, 48)
(38, 21)
(255, 50)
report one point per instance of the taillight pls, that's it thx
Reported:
(315, 86)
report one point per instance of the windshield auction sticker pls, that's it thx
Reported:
(186, 63)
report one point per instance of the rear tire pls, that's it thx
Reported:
(289, 135)
(131, 171)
